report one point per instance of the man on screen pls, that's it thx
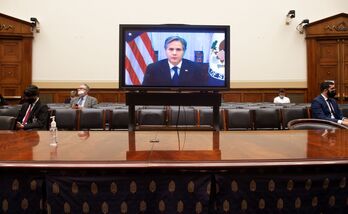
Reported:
(174, 71)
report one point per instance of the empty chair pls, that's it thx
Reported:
(313, 124)
(7, 123)
(238, 119)
(92, 119)
(344, 110)
(152, 116)
(266, 118)
(289, 114)
(182, 116)
(118, 118)
(58, 105)
(205, 116)
(9, 111)
(66, 118)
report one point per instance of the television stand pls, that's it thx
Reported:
(177, 99)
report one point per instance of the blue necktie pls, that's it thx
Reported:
(175, 79)
(80, 101)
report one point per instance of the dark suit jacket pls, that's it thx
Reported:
(158, 74)
(320, 110)
(38, 118)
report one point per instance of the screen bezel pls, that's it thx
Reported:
(123, 28)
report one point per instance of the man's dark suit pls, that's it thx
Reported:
(38, 118)
(320, 109)
(158, 74)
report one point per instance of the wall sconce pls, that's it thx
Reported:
(300, 26)
(35, 24)
(290, 16)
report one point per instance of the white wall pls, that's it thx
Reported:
(78, 41)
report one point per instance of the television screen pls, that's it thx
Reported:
(174, 57)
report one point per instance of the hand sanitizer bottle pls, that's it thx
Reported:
(54, 131)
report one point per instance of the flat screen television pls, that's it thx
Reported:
(174, 57)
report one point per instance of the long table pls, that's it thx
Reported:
(132, 172)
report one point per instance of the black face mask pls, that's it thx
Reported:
(331, 94)
(30, 100)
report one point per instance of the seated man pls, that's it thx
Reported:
(325, 106)
(83, 100)
(33, 114)
(281, 98)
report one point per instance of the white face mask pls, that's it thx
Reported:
(81, 92)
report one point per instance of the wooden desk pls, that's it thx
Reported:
(151, 149)
(174, 172)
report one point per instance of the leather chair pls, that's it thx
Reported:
(266, 118)
(183, 116)
(344, 110)
(118, 118)
(66, 118)
(314, 124)
(91, 119)
(58, 105)
(205, 116)
(152, 117)
(7, 123)
(9, 111)
(288, 114)
(237, 119)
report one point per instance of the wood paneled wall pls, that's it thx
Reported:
(232, 95)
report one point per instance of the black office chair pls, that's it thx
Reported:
(314, 124)
(7, 123)
(118, 118)
(9, 111)
(238, 119)
(92, 119)
(266, 118)
(152, 117)
(293, 113)
(66, 118)
(183, 116)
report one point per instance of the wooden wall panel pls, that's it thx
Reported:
(233, 95)
(252, 97)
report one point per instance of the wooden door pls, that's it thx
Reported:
(327, 66)
(10, 67)
(15, 56)
(327, 55)
(344, 68)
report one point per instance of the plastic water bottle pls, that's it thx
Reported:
(54, 131)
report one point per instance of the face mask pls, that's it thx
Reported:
(281, 97)
(30, 100)
(81, 92)
(331, 94)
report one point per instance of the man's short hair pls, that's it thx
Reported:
(326, 85)
(31, 91)
(282, 90)
(175, 38)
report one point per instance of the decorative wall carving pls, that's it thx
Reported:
(5, 27)
(340, 27)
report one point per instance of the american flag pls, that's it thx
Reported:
(139, 53)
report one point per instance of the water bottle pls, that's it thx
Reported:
(54, 131)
